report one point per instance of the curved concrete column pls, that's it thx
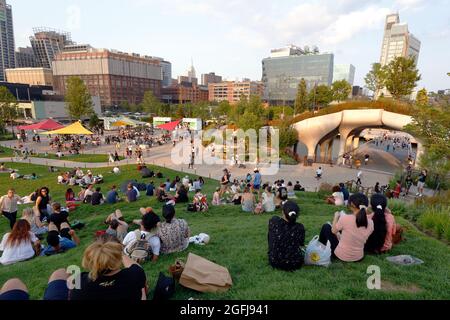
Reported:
(349, 143)
(311, 131)
(355, 142)
(326, 150)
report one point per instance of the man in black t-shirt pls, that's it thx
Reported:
(97, 197)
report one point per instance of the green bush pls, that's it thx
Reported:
(437, 221)
(398, 207)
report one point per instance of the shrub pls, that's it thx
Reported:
(398, 207)
(437, 221)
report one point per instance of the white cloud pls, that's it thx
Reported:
(404, 5)
(248, 37)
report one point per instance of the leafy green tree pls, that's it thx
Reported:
(422, 97)
(249, 120)
(401, 76)
(94, 121)
(375, 78)
(255, 105)
(78, 99)
(341, 90)
(223, 109)
(150, 103)
(301, 101)
(8, 109)
(320, 96)
(179, 114)
(288, 135)
(432, 126)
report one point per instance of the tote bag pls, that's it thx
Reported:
(317, 254)
(205, 276)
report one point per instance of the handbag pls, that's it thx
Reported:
(317, 254)
(205, 276)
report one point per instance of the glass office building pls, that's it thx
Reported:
(282, 74)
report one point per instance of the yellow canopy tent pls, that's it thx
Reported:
(122, 123)
(75, 128)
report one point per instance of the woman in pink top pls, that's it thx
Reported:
(384, 226)
(349, 232)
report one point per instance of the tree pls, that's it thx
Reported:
(179, 114)
(341, 90)
(223, 109)
(288, 135)
(301, 101)
(321, 96)
(255, 105)
(422, 97)
(432, 126)
(375, 78)
(150, 103)
(401, 76)
(8, 108)
(94, 121)
(78, 99)
(249, 120)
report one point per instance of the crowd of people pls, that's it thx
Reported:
(117, 253)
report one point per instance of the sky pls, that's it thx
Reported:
(231, 37)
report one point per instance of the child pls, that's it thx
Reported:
(398, 189)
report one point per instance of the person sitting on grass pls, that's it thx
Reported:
(34, 219)
(354, 230)
(111, 275)
(248, 200)
(87, 197)
(291, 191)
(337, 198)
(268, 198)
(298, 187)
(182, 195)
(150, 189)
(385, 228)
(131, 193)
(216, 198)
(148, 231)
(20, 244)
(345, 192)
(174, 233)
(112, 196)
(60, 241)
(286, 238)
(162, 195)
(97, 197)
(122, 228)
(58, 217)
(281, 195)
(200, 201)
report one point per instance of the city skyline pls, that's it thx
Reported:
(233, 45)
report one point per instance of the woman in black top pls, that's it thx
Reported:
(106, 279)
(286, 237)
(42, 201)
(182, 195)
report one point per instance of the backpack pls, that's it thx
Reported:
(139, 249)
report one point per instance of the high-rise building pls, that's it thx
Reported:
(167, 73)
(116, 77)
(232, 91)
(210, 78)
(184, 92)
(47, 43)
(284, 69)
(397, 42)
(344, 72)
(25, 58)
(7, 44)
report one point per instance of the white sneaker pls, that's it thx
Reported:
(417, 194)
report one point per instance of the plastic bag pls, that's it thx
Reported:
(317, 254)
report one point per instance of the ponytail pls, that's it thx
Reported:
(360, 201)
(378, 203)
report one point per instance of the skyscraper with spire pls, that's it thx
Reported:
(191, 75)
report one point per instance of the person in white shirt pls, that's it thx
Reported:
(268, 202)
(358, 177)
(337, 198)
(20, 244)
(319, 173)
(148, 231)
(138, 193)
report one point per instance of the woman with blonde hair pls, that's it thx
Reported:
(106, 280)
(34, 219)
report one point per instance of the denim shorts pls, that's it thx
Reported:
(57, 291)
(15, 295)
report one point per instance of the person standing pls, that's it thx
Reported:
(421, 183)
(358, 178)
(8, 206)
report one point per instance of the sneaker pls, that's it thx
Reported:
(417, 194)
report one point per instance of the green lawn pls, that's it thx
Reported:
(239, 242)
(88, 158)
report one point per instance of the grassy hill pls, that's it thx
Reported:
(239, 242)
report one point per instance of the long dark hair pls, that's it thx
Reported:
(360, 201)
(376, 240)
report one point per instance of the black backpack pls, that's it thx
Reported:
(165, 288)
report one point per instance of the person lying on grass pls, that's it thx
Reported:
(349, 232)
(60, 241)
